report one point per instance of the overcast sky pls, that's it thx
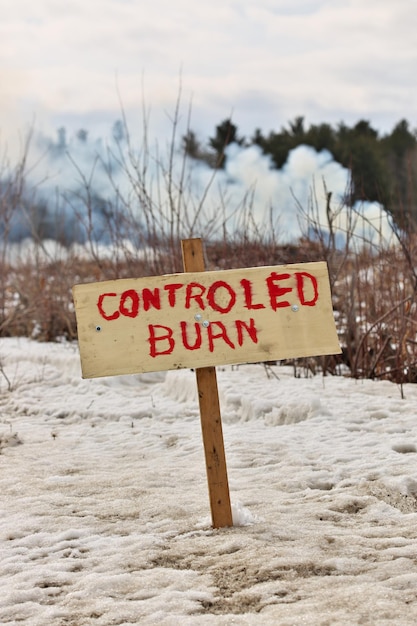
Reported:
(264, 62)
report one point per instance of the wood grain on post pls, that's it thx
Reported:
(211, 424)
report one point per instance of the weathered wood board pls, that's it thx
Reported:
(191, 320)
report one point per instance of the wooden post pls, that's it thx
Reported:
(211, 423)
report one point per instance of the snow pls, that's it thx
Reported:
(105, 513)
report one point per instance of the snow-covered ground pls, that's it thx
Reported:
(105, 513)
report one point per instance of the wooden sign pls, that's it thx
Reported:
(199, 319)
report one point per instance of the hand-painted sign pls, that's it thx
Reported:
(205, 318)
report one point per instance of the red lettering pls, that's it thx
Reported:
(111, 316)
(172, 288)
(250, 329)
(197, 342)
(166, 336)
(276, 291)
(189, 295)
(220, 284)
(132, 310)
(247, 289)
(151, 299)
(300, 276)
(221, 335)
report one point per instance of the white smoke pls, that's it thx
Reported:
(297, 194)
(289, 189)
(289, 199)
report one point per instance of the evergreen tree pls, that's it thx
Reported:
(226, 133)
(191, 145)
(359, 149)
(321, 137)
(400, 152)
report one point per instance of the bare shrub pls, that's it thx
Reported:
(12, 184)
(373, 280)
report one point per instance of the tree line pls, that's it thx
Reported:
(383, 167)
